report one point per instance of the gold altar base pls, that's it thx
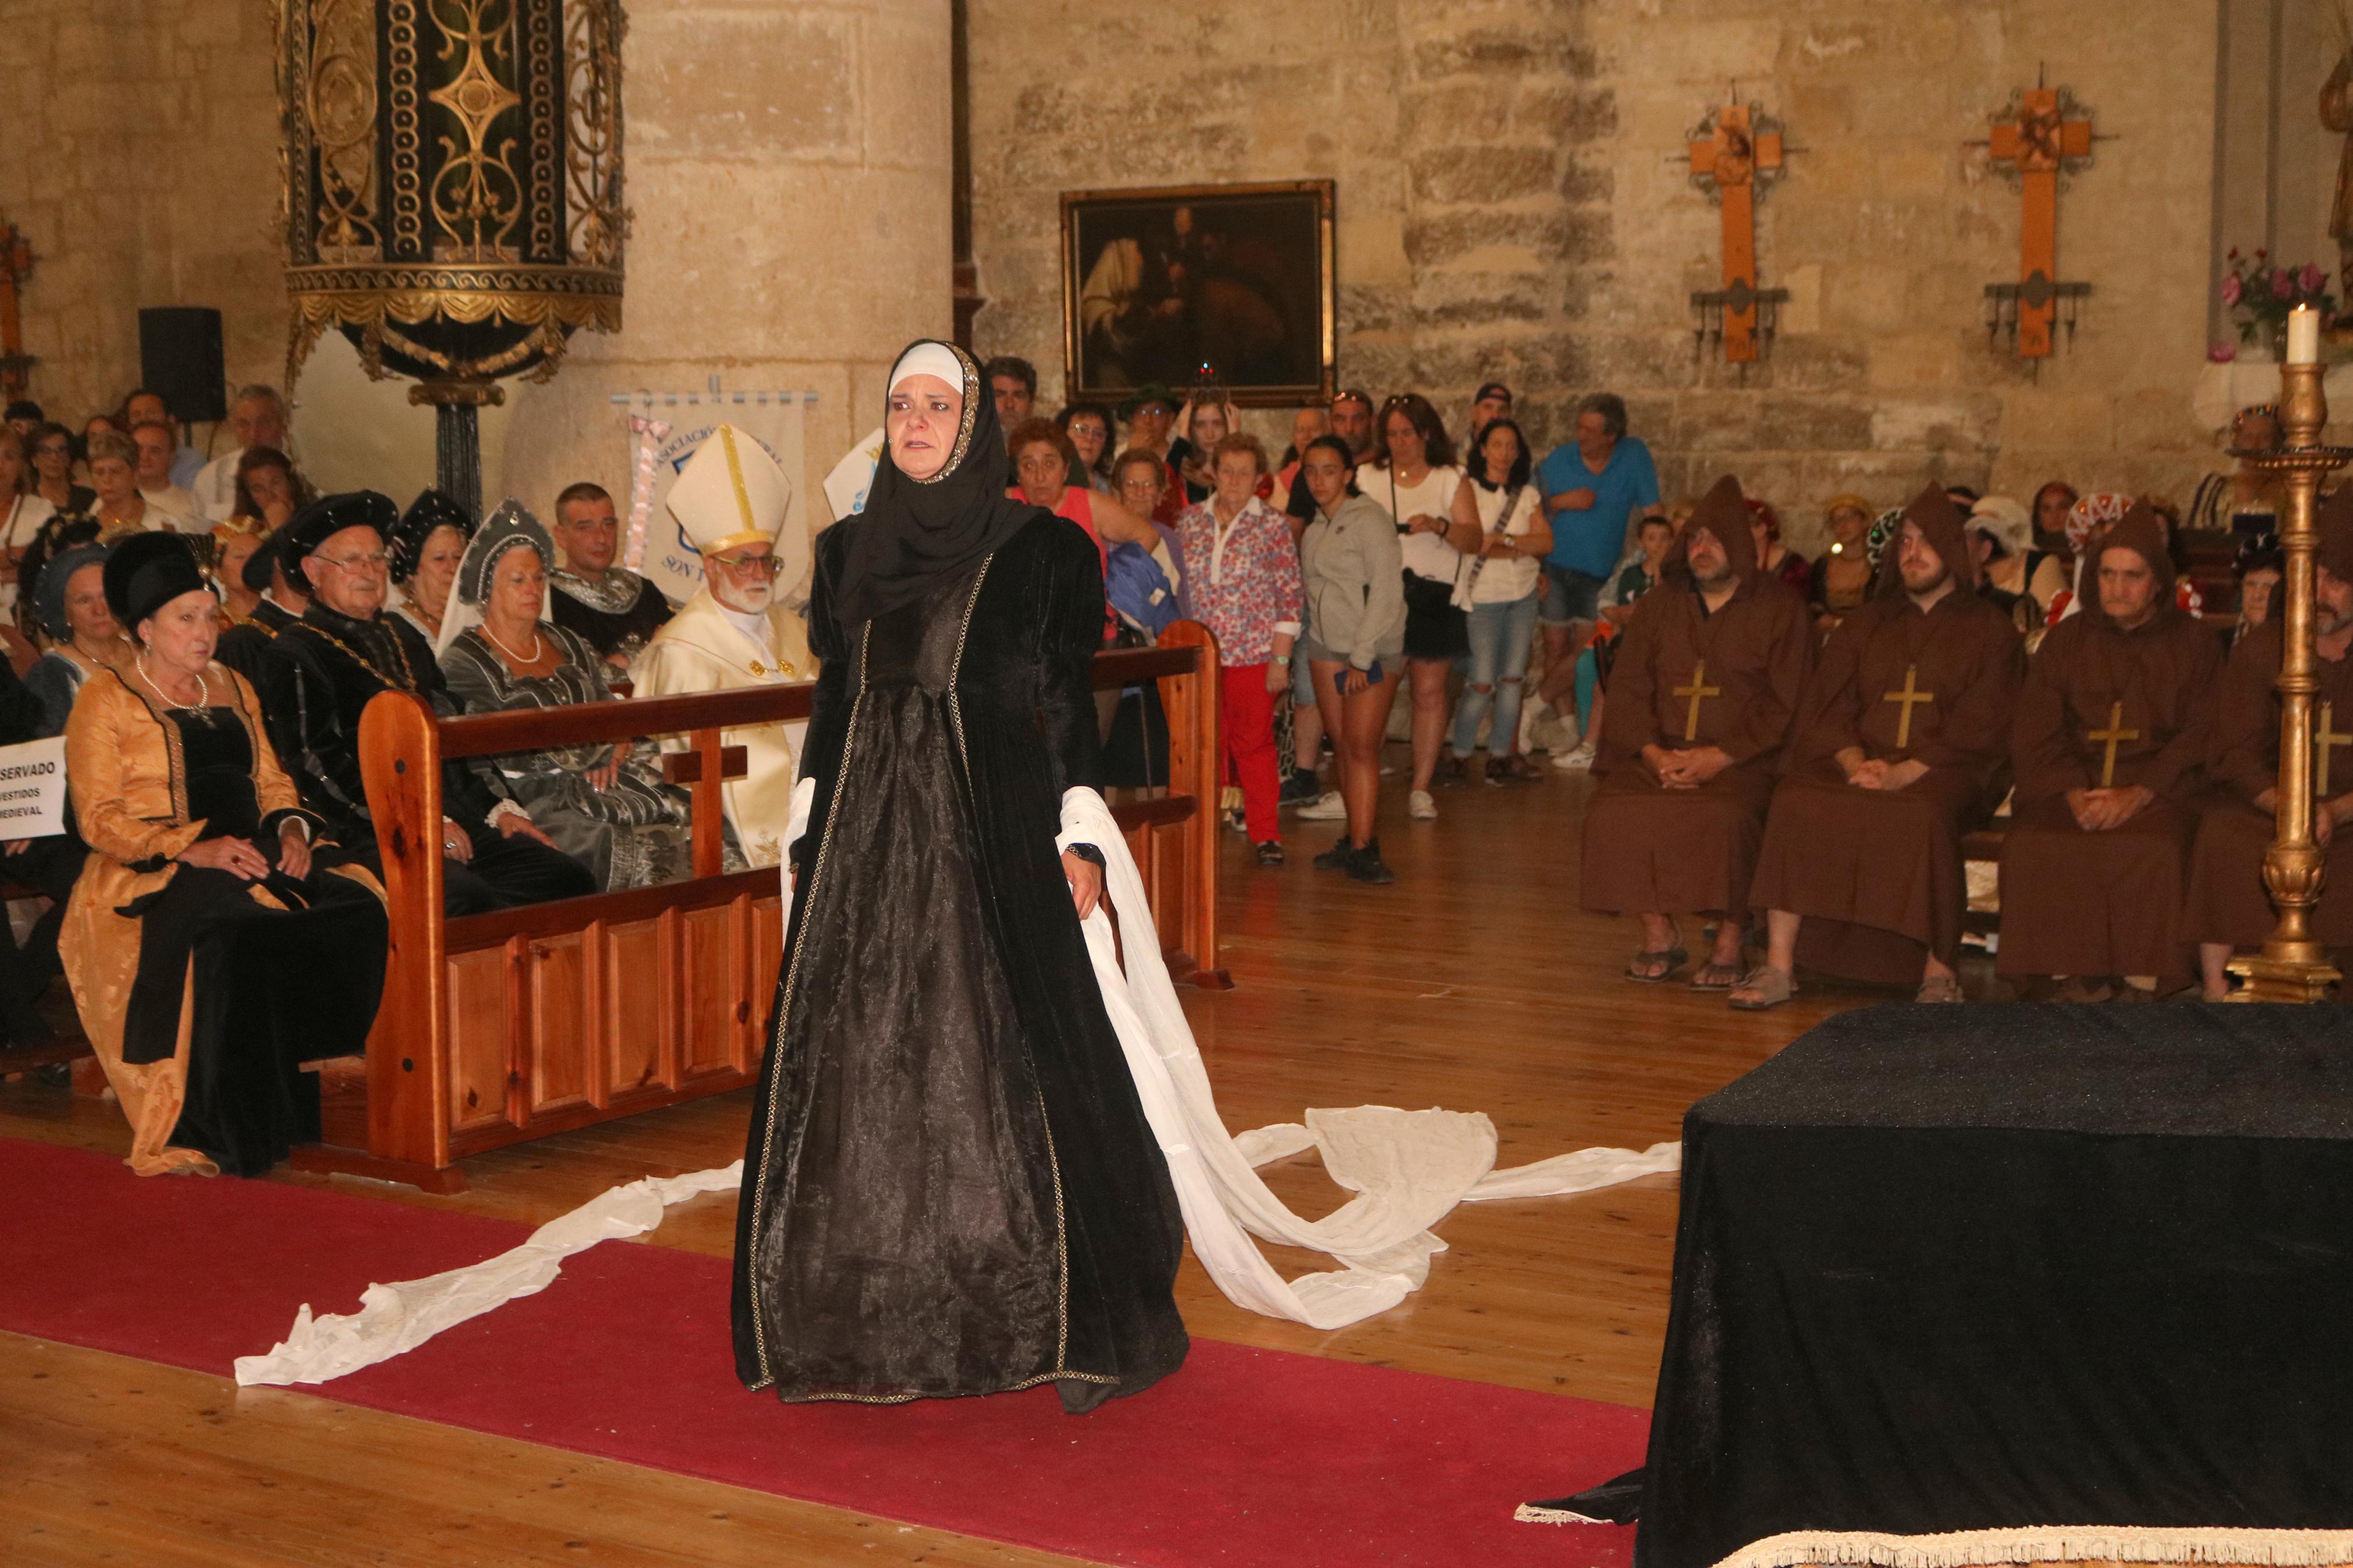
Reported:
(2299, 972)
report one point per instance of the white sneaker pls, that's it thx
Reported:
(1327, 807)
(1576, 761)
(1533, 712)
(1421, 806)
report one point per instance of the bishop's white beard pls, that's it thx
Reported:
(743, 601)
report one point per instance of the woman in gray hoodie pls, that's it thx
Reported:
(1352, 570)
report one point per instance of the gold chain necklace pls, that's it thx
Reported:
(408, 676)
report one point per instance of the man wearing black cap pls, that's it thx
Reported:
(1493, 402)
(339, 656)
(245, 647)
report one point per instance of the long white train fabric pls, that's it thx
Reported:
(1407, 1168)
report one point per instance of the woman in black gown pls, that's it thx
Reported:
(215, 940)
(949, 1187)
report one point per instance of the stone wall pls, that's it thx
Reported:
(140, 160)
(788, 170)
(1510, 203)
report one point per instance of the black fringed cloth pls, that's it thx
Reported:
(2073, 1278)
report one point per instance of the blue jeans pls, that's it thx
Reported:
(1498, 660)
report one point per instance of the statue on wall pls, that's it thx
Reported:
(2336, 114)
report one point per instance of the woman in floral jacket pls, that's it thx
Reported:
(1241, 578)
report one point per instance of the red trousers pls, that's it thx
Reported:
(1245, 746)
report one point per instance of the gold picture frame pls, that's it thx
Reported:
(1229, 285)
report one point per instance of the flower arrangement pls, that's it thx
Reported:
(2260, 295)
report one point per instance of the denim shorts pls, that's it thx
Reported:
(1568, 595)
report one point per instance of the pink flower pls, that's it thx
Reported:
(2261, 253)
(2311, 278)
(2231, 288)
(2222, 353)
(2282, 283)
(2233, 256)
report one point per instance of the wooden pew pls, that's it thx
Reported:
(500, 1029)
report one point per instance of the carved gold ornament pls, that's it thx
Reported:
(451, 176)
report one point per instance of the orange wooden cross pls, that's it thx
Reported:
(2036, 140)
(1730, 154)
(16, 264)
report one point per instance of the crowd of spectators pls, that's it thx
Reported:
(1380, 552)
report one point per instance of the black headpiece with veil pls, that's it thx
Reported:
(916, 535)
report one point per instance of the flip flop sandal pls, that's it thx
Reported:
(1943, 988)
(1672, 959)
(1772, 988)
(1714, 977)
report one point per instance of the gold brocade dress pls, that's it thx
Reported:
(257, 992)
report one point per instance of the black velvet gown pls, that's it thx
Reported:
(950, 1187)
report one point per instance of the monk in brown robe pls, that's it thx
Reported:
(1708, 679)
(2109, 749)
(1903, 746)
(2228, 907)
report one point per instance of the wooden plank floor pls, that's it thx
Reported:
(1475, 983)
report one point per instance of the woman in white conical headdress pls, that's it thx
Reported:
(604, 806)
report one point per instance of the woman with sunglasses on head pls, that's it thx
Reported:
(51, 454)
(1411, 476)
(1089, 426)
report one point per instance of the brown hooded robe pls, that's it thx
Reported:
(1877, 873)
(2109, 903)
(2227, 902)
(1649, 848)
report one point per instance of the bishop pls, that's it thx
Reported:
(732, 500)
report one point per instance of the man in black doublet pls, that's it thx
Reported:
(328, 665)
(614, 608)
(245, 647)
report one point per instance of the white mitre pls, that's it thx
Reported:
(731, 493)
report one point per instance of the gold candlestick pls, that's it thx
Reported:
(2292, 966)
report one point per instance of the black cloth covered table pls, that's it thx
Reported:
(2001, 1267)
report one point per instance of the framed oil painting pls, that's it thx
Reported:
(1225, 286)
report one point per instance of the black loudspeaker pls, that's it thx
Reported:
(180, 360)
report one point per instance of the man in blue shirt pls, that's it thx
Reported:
(1592, 488)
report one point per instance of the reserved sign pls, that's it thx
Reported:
(33, 789)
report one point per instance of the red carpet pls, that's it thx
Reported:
(1244, 1457)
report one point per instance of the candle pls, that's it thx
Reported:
(2303, 335)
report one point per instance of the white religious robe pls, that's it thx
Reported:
(706, 648)
(216, 488)
(181, 504)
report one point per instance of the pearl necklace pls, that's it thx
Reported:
(537, 646)
(204, 690)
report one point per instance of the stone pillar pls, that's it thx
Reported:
(789, 174)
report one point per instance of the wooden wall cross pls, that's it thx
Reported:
(1735, 151)
(2041, 134)
(15, 266)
